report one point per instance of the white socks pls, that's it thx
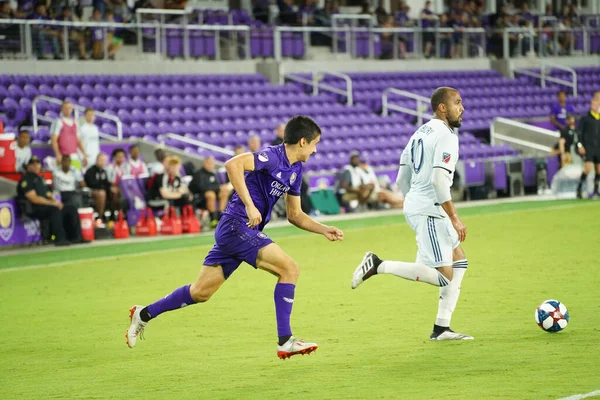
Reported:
(449, 294)
(413, 272)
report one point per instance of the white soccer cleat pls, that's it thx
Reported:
(136, 328)
(366, 269)
(449, 335)
(295, 346)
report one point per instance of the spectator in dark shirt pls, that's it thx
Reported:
(559, 111)
(96, 178)
(97, 36)
(568, 137)
(75, 35)
(288, 12)
(208, 188)
(36, 201)
(167, 189)
(589, 145)
(42, 33)
(279, 132)
(428, 19)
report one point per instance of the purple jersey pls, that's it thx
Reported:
(560, 112)
(273, 176)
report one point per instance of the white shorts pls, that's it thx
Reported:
(436, 238)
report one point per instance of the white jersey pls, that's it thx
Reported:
(433, 145)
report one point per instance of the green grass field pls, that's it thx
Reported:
(62, 328)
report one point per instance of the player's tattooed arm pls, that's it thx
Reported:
(298, 218)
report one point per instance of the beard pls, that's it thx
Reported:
(455, 123)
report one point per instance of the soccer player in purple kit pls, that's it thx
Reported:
(259, 180)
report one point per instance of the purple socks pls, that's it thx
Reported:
(178, 299)
(284, 300)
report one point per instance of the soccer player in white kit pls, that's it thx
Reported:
(425, 177)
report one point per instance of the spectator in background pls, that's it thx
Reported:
(525, 15)
(36, 201)
(22, 151)
(238, 149)
(42, 33)
(379, 193)
(254, 143)
(89, 134)
(589, 145)
(75, 35)
(288, 12)
(167, 189)
(568, 137)
(158, 166)
(114, 43)
(96, 178)
(5, 11)
(308, 9)
(97, 36)
(116, 170)
(207, 188)
(136, 166)
(260, 10)
(387, 42)
(428, 19)
(64, 137)
(67, 180)
(25, 9)
(559, 111)
(119, 166)
(279, 132)
(351, 191)
(121, 10)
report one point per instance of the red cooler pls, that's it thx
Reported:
(86, 215)
(8, 160)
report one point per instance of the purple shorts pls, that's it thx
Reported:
(235, 242)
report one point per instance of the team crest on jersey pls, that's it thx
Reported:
(293, 178)
(262, 235)
(446, 157)
(263, 157)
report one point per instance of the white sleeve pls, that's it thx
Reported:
(441, 181)
(404, 172)
(445, 154)
(56, 127)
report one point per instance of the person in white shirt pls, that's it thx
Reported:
(158, 166)
(425, 176)
(64, 137)
(89, 134)
(23, 151)
(67, 180)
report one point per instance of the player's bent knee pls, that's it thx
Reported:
(201, 293)
(290, 271)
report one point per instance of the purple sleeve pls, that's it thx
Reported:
(554, 110)
(265, 160)
(296, 186)
(570, 109)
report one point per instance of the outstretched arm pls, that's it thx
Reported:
(298, 218)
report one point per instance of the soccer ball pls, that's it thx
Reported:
(552, 316)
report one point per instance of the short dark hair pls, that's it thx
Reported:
(87, 110)
(160, 155)
(300, 127)
(440, 96)
(135, 146)
(21, 131)
(561, 91)
(117, 151)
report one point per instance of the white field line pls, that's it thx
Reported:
(582, 396)
(133, 255)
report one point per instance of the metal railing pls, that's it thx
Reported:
(195, 142)
(422, 104)
(171, 39)
(544, 75)
(528, 138)
(316, 84)
(76, 109)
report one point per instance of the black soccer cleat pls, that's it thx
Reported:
(366, 269)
